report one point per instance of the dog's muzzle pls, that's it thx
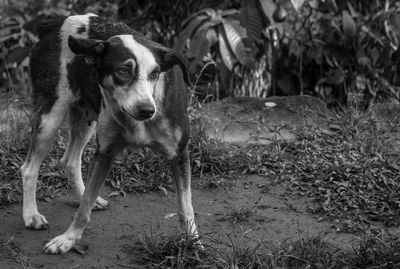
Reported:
(143, 112)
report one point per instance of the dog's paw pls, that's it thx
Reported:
(101, 204)
(61, 244)
(36, 221)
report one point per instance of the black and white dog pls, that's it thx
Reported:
(103, 73)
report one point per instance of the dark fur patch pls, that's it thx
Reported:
(45, 69)
(49, 24)
(116, 54)
(82, 79)
(81, 29)
(165, 57)
(103, 28)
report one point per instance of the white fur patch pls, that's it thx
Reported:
(140, 135)
(159, 91)
(69, 27)
(146, 62)
(64, 94)
(55, 117)
(144, 57)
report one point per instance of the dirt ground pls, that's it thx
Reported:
(276, 217)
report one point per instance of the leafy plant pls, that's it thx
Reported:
(233, 40)
(348, 48)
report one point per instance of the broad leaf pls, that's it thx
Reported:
(252, 19)
(227, 57)
(392, 29)
(18, 54)
(228, 12)
(394, 21)
(189, 31)
(353, 12)
(268, 8)
(235, 34)
(199, 47)
(297, 4)
(208, 12)
(349, 26)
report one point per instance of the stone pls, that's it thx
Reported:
(251, 120)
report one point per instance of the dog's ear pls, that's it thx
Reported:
(91, 49)
(167, 58)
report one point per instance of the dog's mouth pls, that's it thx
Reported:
(126, 112)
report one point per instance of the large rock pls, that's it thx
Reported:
(247, 120)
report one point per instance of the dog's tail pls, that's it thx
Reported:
(44, 24)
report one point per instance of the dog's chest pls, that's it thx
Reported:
(159, 137)
(138, 134)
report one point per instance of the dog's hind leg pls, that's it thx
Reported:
(181, 171)
(80, 132)
(43, 134)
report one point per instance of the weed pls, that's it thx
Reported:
(174, 251)
(309, 252)
(239, 215)
(242, 254)
(374, 250)
(379, 249)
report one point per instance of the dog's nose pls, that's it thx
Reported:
(146, 111)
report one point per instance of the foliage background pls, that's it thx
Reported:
(341, 51)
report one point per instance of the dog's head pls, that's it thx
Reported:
(130, 71)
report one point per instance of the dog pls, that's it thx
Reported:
(105, 76)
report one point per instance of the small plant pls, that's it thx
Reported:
(377, 249)
(242, 254)
(239, 215)
(175, 251)
(234, 41)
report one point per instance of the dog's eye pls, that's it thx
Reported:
(122, 71)
(154, 75)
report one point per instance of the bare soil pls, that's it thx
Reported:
(276, 216)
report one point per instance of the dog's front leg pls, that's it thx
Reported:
(61, 244)
(181, 172)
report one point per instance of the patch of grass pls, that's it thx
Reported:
(180, 251)
(352, 171)
(240, 254)
(141, 172)
(239, 215)
(174, 251)
(378, 250)
(310, 252)
(51, 180)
